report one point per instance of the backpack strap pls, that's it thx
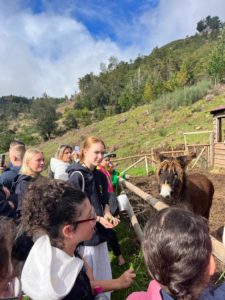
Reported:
(82, 177)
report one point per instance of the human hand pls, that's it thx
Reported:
(112, 220)
(126, 279)
(104, 222)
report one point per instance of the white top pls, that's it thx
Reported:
(59, 167)
(49, 273)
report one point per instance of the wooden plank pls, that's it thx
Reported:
(219, 151)
(219, 146)
(197, 159)
(211, 150)
(134, 164)
(198, 145)
(219, 162)
(219, 156)
(198, 132)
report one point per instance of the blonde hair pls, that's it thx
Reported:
(18, 151)
(29, 154)
(90, 140)
(61, 150)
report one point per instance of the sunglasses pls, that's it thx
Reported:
(88, 220)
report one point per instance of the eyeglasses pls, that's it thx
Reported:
(94, 217)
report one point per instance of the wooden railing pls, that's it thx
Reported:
(218, 248)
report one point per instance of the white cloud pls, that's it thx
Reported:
(175, 19)
(49, 52)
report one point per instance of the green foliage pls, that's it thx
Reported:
(216, 63)
(44, 114)
(209, 23)
(162, 131)
(121, 86)
(70, 120)
(182, 97)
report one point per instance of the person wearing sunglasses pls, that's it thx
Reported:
(60, 217)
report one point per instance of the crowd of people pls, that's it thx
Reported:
(55, 231)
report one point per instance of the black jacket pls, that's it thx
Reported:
(96, 189)
(19, 186)
(5, 208)
(7, 177)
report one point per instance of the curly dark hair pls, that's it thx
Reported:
(48, 204)
(7, 236)
(177, 249)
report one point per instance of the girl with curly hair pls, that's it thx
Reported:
(59, 218)
(178, 254)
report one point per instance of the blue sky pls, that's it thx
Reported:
(47, 45)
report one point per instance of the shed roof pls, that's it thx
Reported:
(217, 109)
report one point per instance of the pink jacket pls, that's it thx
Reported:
(153, 293)
(109, 178)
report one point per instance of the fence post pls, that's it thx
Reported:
(211, 142)
(146, 165)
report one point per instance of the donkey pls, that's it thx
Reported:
(194, 192)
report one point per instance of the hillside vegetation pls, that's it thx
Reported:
(145, 127)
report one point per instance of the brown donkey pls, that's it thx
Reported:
(194, 192)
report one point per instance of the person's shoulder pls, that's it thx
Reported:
(216, 292)
(138, 296)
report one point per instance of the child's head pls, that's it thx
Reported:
(54, 206)
(178, 252)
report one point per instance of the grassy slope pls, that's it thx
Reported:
(138, 130)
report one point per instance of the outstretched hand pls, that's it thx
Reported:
(112, 220)
(126, 279)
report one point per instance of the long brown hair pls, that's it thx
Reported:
(90, 140)
(177, 250)
(61, 150)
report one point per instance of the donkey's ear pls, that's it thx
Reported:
(186, 159)
(159, 157)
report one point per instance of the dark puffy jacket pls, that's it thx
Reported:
(7, 177)
(19, 186)
(5, 208)
(96, 189)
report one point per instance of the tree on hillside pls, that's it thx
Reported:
(45, 116)
(201, 26)
(70, 120)
(216, 62)
(209, 23)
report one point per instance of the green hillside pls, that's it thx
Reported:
(143, 128)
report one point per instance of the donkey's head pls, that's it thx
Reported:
(171, 175)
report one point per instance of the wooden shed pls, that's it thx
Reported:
(218, 142)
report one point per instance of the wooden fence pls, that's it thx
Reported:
(218, 248)
(202, 150)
